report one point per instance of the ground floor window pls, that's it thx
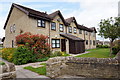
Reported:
(86, 42)
(55, 43)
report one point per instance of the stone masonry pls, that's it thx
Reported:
(7, 71)
(84, 67)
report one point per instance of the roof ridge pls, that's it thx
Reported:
(27, 8)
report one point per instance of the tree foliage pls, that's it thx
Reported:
(110, 28)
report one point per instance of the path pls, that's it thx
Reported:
(23, 73)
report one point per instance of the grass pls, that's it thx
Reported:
(98, 53)
(39, 70)
(2, 63)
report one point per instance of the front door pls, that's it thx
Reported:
(63, 45)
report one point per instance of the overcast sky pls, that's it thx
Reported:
(86, 12)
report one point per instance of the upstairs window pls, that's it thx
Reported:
(86, 42)
(75, 30)
(80, 31)
(70, 29)
(55, 43)
(41, 23)
(12, 29)
(53, 26)
(61, 27)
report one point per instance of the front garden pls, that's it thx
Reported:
(30, 48)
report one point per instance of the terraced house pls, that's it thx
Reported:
(64, 34)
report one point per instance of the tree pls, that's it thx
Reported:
(110, 28)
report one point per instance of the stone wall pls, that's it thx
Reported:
(84, 67)
(7, 71)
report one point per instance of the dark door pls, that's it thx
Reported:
(76, 47)
(63, 45)
(72, 48)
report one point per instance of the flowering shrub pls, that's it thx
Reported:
(37, 43)
(7, 54)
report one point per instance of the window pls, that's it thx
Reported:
(90, 42)
(14, 28)
(75, 30)
(41, 23)
(86, 42)
(94, 42)
(80, 31)
(55, 43)
(70, 29)
(61, 27)
(11, 29)
(53, 26)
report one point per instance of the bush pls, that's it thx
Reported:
(7, 54)
(23, 55)
(115, 49)
(58, 53)
(37, 43)
(102, 46)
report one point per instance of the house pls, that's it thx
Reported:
(99, 42)
(64, 34)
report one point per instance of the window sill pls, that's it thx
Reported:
(41, 26)
(53, 29)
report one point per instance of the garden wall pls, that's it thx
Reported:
(7, 71)
(84, 67)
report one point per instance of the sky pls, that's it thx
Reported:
(87, 12)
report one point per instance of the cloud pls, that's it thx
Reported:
(93, 11)
(89, 12)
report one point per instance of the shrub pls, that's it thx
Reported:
(37, 43)
(102, 46)
(7, 54)
(115, 49)
(58, 53)
(23, 55)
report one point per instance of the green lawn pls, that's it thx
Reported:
(98, 53)
(39, 70)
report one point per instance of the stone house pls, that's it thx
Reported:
(64, 34)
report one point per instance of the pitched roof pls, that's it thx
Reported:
(93, 28)
(54, 14)
(71, 19)
(30, 12)
(69, 36)
(84, 28)
(41, 15)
